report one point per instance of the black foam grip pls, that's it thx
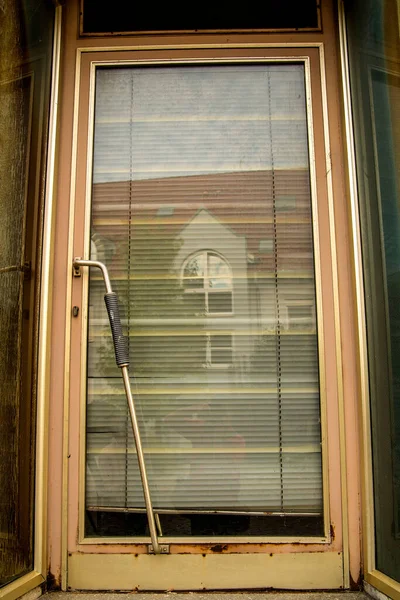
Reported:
(120, 341)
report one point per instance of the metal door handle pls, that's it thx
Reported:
(122, 359)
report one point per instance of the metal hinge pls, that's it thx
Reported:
(164, 549)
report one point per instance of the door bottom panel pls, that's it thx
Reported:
(308, 570)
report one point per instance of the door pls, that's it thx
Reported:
(375, 77)
(202, 187)
(26, 49)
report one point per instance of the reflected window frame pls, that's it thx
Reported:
(206, 288)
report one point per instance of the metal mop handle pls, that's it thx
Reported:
(122, 358)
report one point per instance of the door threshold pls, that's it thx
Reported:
(224, 595)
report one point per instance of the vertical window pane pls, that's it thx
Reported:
(373, 29)
(190, 168)
(219, 274)
(25, 60)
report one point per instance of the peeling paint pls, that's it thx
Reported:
(332, 531)
(219, 548)
(356, 585)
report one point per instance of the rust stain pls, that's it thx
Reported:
(252, 548)
(219, 548)
(332, 530)
(356, 585)
(51, 582)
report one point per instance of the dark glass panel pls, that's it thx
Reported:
(25, 58)
(373, 30)
(134, 16)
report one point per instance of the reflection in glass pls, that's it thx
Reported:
(189, 164)
(375, 77)
(209, 275)
(25, 60)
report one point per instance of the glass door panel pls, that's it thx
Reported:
(375, 79)
(201, 210)
(25, 63)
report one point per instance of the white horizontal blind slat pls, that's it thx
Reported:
(205, 167)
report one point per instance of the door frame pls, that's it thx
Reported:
(317, 547)
(85, 199)
(90, 567)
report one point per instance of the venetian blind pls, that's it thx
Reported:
(201, 210)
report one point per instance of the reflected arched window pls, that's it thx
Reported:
(208, 278)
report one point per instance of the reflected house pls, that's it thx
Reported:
(209, 216)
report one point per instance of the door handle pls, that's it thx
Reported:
(122, 360)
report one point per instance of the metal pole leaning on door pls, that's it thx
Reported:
(122, 359)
